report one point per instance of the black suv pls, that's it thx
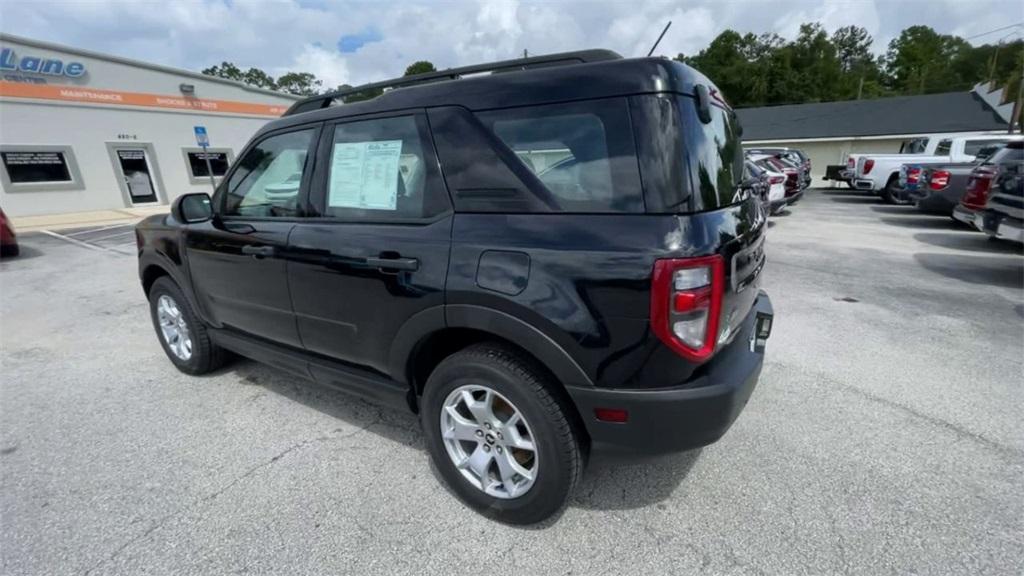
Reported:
(556, 258)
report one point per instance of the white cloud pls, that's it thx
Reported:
(327, 64)
(294, 35)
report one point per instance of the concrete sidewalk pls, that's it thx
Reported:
(84, 219)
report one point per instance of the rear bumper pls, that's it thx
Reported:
(794, 197)
(863, 184)
(673, 419)
(776, 205)
(965, 215)
(935, 202)
(1000, 225)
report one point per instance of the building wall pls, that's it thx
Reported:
(90, 130)
(116, 102)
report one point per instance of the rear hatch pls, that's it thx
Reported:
(693, 168)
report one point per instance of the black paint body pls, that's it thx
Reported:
(363, 304)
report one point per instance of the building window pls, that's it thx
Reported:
(36, 167)
(195, 163)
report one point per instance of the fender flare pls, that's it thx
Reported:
(501, 324)
(158, 260)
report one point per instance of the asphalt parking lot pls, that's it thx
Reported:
(885, 436)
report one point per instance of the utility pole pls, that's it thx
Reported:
(525, 53)
(860, 87)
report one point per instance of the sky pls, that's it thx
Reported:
(355, 42)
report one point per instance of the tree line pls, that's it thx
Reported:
(760, 70)
(765, 69)
(299, 83)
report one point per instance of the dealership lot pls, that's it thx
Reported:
(884, 437)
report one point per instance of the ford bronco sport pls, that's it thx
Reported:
(556, 258)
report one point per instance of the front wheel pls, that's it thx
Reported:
(499, 435)
(183, 337)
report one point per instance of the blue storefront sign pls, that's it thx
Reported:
(11, 62)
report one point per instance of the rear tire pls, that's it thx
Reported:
(890, 194)
(514, 390)
(183, 336)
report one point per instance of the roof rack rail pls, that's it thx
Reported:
(561, 59)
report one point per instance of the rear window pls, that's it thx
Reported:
(581, 152)
(1008, 154)
(974, 147)
(687, 166)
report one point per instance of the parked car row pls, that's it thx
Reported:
(984, 191)
(780, 174)
(880, 173)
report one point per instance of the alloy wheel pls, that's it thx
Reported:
(489, 441)
(173, 327)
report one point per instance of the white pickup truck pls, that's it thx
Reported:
(879, 173)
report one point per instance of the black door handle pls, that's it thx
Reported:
(402, 264)
(258, 251)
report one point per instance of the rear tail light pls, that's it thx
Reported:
(777, 179)
(868, 165)
(913, 175)
(978, 186)
(939, 180)
(850, 163)
(686, 303)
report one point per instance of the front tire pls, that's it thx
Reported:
(183, 336)
(499, 435)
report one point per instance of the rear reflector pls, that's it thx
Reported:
(615, 415)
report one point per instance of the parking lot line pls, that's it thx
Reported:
(101, 229)
(77, 242)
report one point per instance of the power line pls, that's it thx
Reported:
(993, 31)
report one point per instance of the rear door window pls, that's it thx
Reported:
(943, 148)
(582, 152)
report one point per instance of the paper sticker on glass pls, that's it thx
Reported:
(365, 175)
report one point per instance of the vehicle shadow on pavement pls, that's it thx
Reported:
(930, 222)
(900, 210)
(850, 199)
(24, 253)
(844, 192)
(607, 484)
(1007, 272)
(972, 241)
(610, 484)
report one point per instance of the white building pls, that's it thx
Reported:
(828, 132)
(85, 131)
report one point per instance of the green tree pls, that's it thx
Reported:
(299, 83)
(225, 70)
(919, 61)
(862, 76)
(420, 67)
(259, 78)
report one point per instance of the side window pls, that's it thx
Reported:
(267, 180)
(943, 148)
(582, 153)
(379, 169)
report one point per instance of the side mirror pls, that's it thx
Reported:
(192, 208)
